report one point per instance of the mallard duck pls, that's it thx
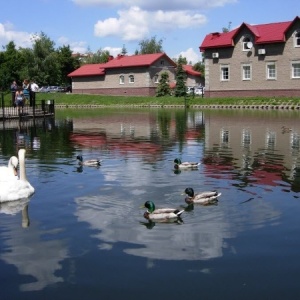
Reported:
(204, 198)
(90, 162)
(9, 172)
(160, 214)
(17, 189)
(185, 165)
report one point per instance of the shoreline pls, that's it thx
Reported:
(197, 106)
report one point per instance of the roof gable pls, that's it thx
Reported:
(263, 33)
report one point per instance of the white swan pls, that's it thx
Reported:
(9, 172)
(17, 189)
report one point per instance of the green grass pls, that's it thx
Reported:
(81, 99)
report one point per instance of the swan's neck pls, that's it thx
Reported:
(22, 167)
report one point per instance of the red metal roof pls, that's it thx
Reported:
(121, 61)
(189, 69)
(89, 70)
(141, 60)
(263, 33)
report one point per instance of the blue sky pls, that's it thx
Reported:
(110, 24)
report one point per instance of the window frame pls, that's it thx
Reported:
(244, 72)
(297, 38)
(294, 70)
(222, 72)
(131, 79)
(269, 69)
(246, 40)
(156, 78)
(122, 79)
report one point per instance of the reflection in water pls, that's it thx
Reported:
(95, 212)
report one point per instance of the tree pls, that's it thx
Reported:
(180, 89)
(11, 63)
(124, 50)
(67, 64)
(99, 57)
(149, 46)
(163, 88)
(199, 66)
(180, 60)
(226, 29)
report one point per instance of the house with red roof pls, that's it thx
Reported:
(253, 60)
(136, 75)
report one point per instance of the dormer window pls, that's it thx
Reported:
(297, 38)
(247, 43)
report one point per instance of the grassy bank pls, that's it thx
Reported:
(80, 99)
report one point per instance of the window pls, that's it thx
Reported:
(131, 78)
(246, 72)
(162, 62)
(247, 43)
(297, 39)
(122, 79)
(224, 136)
(296, 69)
(156, 78)
(246, 137)
(271, 70)
(225, 73)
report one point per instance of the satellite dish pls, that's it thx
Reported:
(249, 45)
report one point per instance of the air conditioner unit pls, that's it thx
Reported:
(215, 55)
(261, 51)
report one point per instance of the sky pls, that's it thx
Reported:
(92, 25)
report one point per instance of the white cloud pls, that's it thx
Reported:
(190, 55)
(20, 38)
(131, 25)
(135, 24)
(157, 4)
(113, 51)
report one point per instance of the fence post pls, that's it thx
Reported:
(2, 105)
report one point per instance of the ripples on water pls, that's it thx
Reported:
(84, 222)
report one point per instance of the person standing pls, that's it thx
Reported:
(13, 89)
(19, 99)
(26, 90)
(33, 89)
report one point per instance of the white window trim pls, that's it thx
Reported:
(297, 38)
(292, 69)
(244, 43)
(221, 72)
(129, 79)
(122, 79)
(267, 70)
(156, 78)
(243, 72)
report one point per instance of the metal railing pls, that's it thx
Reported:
(38, 109)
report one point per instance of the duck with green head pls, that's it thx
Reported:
(185, 165)
(160, 214)
(89, 163)
(204, 198)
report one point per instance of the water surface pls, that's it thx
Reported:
(82, 235)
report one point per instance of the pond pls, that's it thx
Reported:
(82, 235)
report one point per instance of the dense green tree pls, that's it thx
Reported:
(180, 89)
(67, 64)
(199, 66)
(163, 88)
(180, 60)
(149, 46)
(11, 63)
(99, 57)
